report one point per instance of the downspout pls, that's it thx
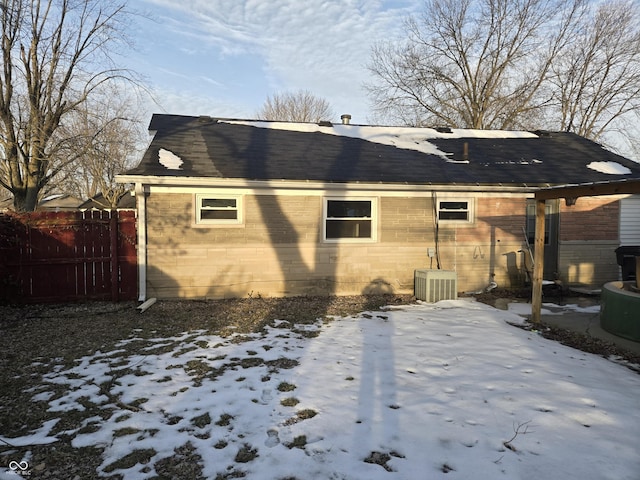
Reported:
(141, 207)
(436, 224)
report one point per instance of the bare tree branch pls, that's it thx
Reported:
(103, 138)
(597, 79)
(299, 106)
(56, 55)
(474, 64)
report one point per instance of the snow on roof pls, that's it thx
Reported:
(611, 168)
(53, 196)
(169, 160)
(411, 138)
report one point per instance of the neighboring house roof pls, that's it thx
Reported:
(98, 202)
(59, 202)
(55, 202)
(200, 147)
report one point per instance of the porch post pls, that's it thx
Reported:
(538, 263)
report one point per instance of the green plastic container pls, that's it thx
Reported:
(620, 310)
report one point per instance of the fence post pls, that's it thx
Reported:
(113, 241)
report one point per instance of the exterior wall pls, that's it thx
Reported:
(630, 220)
(490, 248)
(589, 235)
(589, 263)
(279, 251)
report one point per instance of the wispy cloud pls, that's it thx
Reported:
(322, 46)
(169, 100)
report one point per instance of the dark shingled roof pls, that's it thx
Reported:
(218, 149)
(127, 201)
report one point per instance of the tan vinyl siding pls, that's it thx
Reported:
(405, 220)
(489, 248)
(592, 263)
(278, 250)
(630, 221)
(589, 235)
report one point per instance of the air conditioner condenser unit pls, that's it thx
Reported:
(435, 285)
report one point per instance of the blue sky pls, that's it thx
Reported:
(223, 57)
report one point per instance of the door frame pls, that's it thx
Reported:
(552, 226)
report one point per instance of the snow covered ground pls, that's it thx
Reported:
(448, 390)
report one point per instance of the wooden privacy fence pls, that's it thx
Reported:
(68, 256)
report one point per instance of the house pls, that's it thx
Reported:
(630, 221)
(229, 208)
(57, 202)
(99, 202)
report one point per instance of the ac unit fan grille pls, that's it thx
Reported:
(435, 285)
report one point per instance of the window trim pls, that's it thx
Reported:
(374, 220)
(239, 220)
(450, 221)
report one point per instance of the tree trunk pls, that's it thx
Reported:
(25, 199)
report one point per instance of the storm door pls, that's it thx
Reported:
(551, 223)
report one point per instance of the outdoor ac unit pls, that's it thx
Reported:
(435, 285)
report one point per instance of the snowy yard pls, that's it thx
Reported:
(449, 390)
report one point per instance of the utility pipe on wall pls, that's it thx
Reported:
(141, 208)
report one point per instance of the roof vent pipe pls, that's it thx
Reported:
(346, 118)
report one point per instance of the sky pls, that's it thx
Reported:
(451, 390)
(224, 57)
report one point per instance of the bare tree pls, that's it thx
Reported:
(299, 106)
(596, 82)
(55, 54)
(474, 64)
(106, 135)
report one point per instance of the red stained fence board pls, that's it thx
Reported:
(68, 256)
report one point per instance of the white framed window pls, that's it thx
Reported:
(455, 210)
(218, 209)
(349, 219)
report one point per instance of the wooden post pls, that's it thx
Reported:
(538, 265)
(113, 242)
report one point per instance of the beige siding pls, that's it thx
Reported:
(285, 269)
(480, 263)
(630, 220)
(489, 248)
(589, 235)
(261, 258)
(407, 220)
(591, 263)
(279, 250)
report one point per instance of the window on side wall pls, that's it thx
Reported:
(455, 210)
(350, 220)
(218, 210)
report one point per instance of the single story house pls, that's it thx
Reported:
(98, 202)
(230, 208)
(630, 221)
(58, 202)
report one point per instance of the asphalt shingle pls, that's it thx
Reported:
(219, 149)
